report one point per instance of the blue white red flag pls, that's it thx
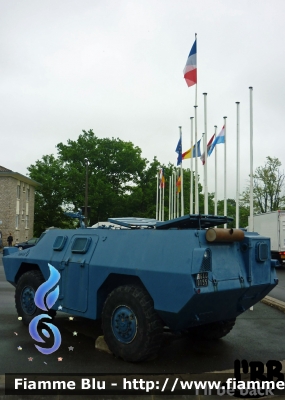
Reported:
(190, 70)
(218, 139)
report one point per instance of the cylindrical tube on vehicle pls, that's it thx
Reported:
(224, 235)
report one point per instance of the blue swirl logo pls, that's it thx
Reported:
(45, 299)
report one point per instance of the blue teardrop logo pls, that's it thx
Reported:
(45, 299)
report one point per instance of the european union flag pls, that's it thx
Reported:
(179, 151)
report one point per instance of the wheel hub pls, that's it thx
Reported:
(124, 324)
(27, 300)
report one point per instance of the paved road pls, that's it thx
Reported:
(258, 335)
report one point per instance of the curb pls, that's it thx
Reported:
(272, 302)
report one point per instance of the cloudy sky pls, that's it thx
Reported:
(117, 67)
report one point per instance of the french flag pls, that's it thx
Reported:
(190, 70)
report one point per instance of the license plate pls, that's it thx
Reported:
(202, 279)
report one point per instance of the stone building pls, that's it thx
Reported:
(17, 202)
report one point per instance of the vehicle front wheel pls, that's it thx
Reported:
(132, 329)
(24, 296)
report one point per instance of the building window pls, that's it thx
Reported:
(18, 191)
(27, 222)
(17, 221)
(27, 194)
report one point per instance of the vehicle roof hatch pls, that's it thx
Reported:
(190, 221)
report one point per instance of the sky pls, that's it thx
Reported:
(116, 67)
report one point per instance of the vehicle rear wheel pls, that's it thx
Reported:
(213, 331)
(132, 329)
(24, 296)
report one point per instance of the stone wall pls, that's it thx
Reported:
(16, 209)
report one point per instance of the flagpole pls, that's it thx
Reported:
(169, 199)
(196, 134)
(191, 166)
(181, 175)
(182, 192)
(174, 194)
(157, 181)
(206, 157)
(238, 162)
(171, 196)
(250, 225)
(216, 181)
(160, 199)
(225, 170)
(162, 217)
(177, 200)
(204, 147)
(196, 166)
(196, 73)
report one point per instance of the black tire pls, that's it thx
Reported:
(213, 331)
(24, 295)
(132, 329)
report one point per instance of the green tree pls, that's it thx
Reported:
(115, 170)
(142, 201)
(120, 182)
(231, 212)
(50, 195)
(268, 185)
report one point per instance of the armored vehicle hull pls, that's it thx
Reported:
(183, 274)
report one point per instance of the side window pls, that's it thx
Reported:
(59, 243)
(80, 245)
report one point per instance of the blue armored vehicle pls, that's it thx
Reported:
(141, 275)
